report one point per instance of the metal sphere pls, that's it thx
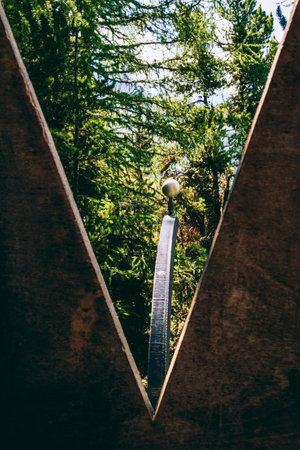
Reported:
(170, 187)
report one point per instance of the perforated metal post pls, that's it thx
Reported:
(159, 344)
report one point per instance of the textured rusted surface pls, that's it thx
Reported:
(67, 378)
(64, 361)
(236, 379)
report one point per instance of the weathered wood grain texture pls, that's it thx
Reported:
(67, 376)
(65, 363)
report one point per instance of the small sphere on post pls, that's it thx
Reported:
(170, 187)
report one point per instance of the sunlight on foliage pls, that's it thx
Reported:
(123, 120)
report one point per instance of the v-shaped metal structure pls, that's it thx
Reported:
(68, 379)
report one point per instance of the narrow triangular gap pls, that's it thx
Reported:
(70, 199)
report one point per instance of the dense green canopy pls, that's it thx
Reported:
(135, 92)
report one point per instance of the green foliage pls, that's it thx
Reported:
(250, 49)
(281, 17)
(228, 47)
(122, 124)
(81, 58)
(189, 263)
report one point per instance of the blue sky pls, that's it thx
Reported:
(155, 52)
(270, 7)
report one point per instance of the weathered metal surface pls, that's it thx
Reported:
(67, 378)
(235, 381)
(159, 344)
(170, 187)
(64, 360)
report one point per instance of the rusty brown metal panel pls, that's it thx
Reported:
(236, 379)
(68, 379)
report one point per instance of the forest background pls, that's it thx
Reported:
(134, 92)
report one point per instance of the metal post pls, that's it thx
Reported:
(161, 305)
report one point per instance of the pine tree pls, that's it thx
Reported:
(208, 130)
(82, 58)
(250, 49)
(122, 123)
